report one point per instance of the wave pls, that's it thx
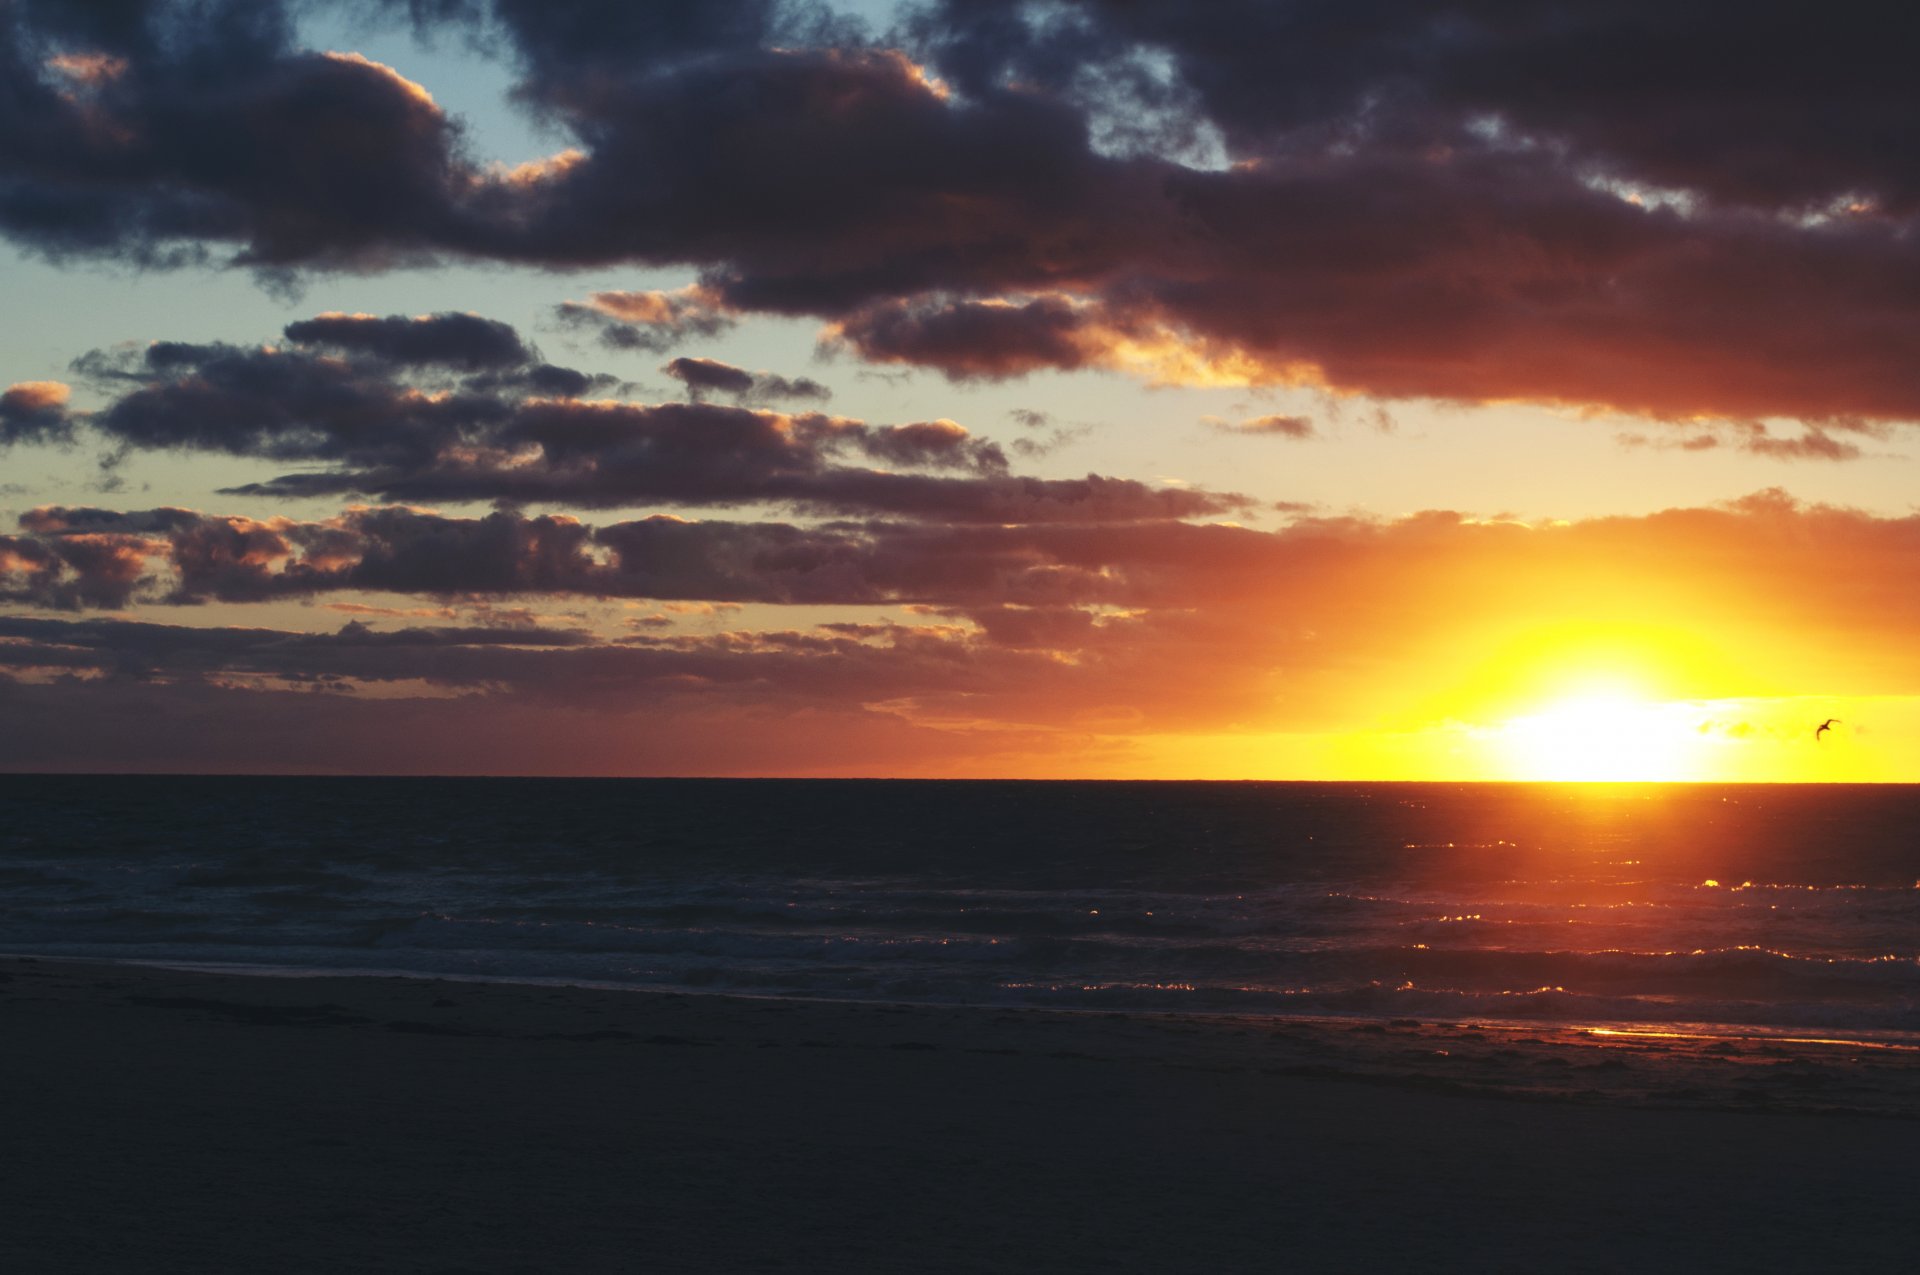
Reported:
(1290, 900)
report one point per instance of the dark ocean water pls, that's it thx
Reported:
(1794, 908)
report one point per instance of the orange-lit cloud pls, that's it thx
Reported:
(89, 68)
(1433, 628)
(414, 91)
(653, 320)
(34, 411)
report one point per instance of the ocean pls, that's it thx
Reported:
(1787, 909)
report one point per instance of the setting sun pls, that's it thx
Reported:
(1604, 736)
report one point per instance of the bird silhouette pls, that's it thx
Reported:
(1825, 726)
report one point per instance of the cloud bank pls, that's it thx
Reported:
(455, 407)
(1601, 203)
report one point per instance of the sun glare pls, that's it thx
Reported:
(1605, 736)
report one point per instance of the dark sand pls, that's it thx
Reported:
(164, 1121)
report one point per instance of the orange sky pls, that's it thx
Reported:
(1690, 644)
(710, 394)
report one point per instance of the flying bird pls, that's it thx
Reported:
(1825, 726)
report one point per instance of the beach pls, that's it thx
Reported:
(167, 1120)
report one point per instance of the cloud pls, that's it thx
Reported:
(73, 572)
(598, 455)
(973, 340)
(942, 443)
(466, 342)
(1754, 438)
(1273, 426)
(704, 376)
(456, 408)
(655, 321)
(1380, 203)
(214, 129)
(1057, 436)
(1735, 130)
(34, 412)
(710, 376)
(1054, 628)
(1324, 589)
(562, 666)
(73, 557)
(1813, 444)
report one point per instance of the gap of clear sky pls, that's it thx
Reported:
(1138, 390)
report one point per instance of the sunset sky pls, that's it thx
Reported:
(1107, 388)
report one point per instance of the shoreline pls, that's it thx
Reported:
(161, 1119)
(1597, 1032)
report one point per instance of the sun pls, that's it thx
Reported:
(1605, 736)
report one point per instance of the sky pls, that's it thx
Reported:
(1474, 390)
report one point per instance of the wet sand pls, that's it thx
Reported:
(157, 1120)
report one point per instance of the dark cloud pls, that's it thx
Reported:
(378, 404)
(187, 557)
(601, 455)
(538, 665)
(283, 403)
(1765, 112)
(1614, 203)
(564, 42)
(144, 650)
(989, 340)
(809, 180)
(74, 557)
(710, 376)
(73, 572)
(34, 412)
(769, 387)
(170, 126)
(942, 443)
(804, 126)
(464, 341)
(555, 382)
